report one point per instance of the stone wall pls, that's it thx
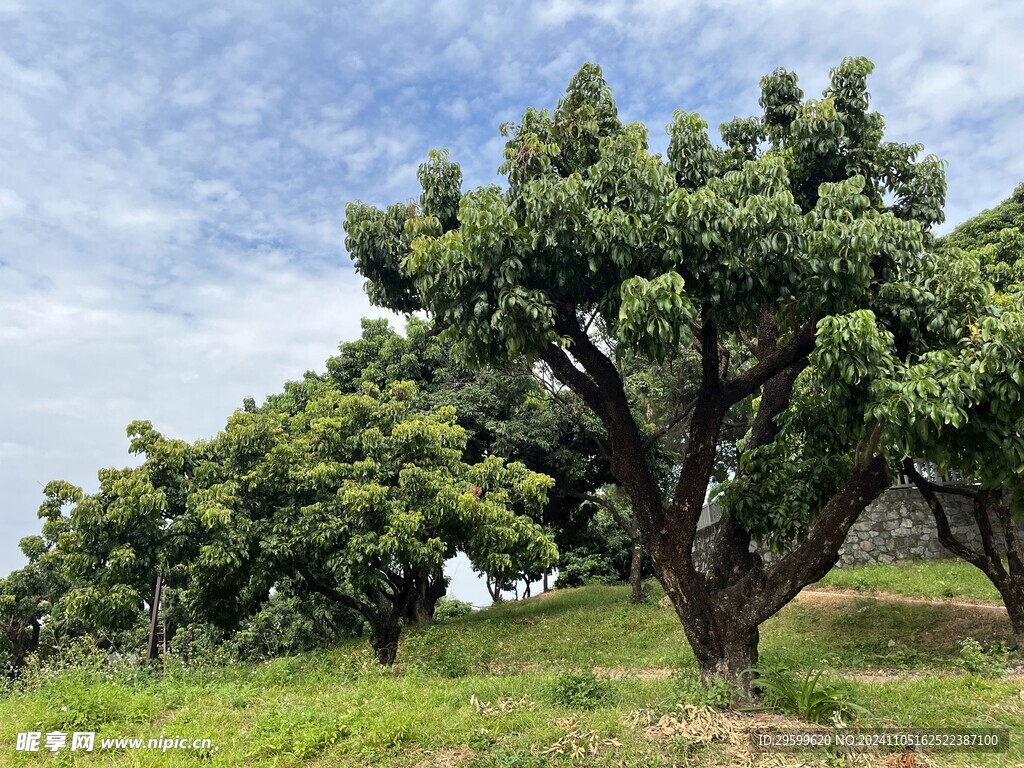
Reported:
(897, 526)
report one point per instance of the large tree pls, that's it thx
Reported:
(505, 411)
(764, 258)
(359, 496)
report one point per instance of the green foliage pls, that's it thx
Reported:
(448, 608)
(600, 553)
(578, 569)
(689, 689)
(818, 697)
(802, 221)
(984, 659)
(581, 690)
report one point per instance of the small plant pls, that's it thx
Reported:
(901, 655)
(820, 696)
(581, 690)
(687, 688)
(987, 660)
(450, 608)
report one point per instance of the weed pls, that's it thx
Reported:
(819, 697)
(986, 660)
(687, 688)
(581, 690)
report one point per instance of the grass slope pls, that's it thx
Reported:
(484, 691)
(932, 579)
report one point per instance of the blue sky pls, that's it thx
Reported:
(173, 175)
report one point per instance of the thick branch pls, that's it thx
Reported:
(578, 381)
(771, 363)
(815, 555)
(629, 460)
(318, 585)
(701, 446)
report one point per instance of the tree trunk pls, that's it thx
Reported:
(385, 630)
(731, 656)
(636, 563)
(1008, 577)
(493, 589)
(720, 614)
(428, 590)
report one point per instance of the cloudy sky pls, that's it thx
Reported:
(173, 175)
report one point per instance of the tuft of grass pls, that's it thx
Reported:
(581, 690)
(820, 696)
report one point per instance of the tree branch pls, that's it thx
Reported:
(317, 585)
(771, 363)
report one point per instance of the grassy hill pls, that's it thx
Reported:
(569, 678)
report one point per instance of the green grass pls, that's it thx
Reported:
(336, 708)
(930, 579)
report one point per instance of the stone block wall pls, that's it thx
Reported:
(899, 526)
(896, 526)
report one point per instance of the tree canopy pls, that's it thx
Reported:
(782, 259)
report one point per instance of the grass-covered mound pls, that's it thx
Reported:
(569, 678)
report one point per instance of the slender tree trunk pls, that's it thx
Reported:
(1008, 577)
(636, 563)
(1013, 591)
(493, 589)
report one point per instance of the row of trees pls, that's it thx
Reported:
(332, 506)
(816, 334)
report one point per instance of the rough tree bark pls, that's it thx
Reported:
(429, 588)
(1007, 577)
(382, 610)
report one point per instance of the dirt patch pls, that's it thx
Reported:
(653, 673)
(818, 592)
(446, 758)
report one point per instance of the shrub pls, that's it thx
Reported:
(450, 608)
(581, 690)
(575, 570)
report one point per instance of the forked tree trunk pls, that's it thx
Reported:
(720, 612)
(428, 590)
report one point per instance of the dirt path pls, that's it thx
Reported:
(822, 594)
